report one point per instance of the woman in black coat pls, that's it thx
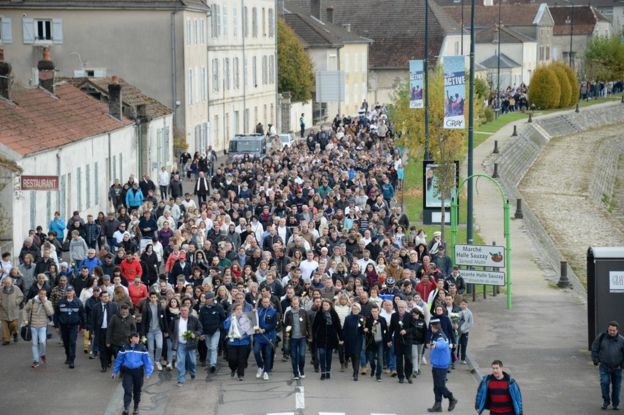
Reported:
(353, 334)
(149, 262)
(327, 336)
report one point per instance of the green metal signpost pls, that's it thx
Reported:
(506, 219)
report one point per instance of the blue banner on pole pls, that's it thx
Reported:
(416, 83)
(455, 92)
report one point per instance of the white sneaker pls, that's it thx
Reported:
(259, 373)
(424, 360)
(302, 376)
(159, 366)
(265, 376)
(169, 366)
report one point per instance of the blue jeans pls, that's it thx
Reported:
(375, 357)
(212, 344)
(155, 345)
(390, 358)
(325, 358)
(185, 359)
(613, 378)
(363, 360)
(38, 342)
(297, 355)
(263, 352)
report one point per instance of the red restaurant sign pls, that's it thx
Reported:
(40, 183)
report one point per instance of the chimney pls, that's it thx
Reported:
(46, 71)
(315, 8)
(114, 98)
(330, 15)
(5, 77)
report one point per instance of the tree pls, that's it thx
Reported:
(564, 85)
(604, 58)
(295, 73)
(445, 145)
(544, 89)
(574, 83)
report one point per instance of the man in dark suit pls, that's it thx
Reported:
(202, 188)
(401, 329)
(102, 315)
(183, 267)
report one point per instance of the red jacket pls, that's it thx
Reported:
(137, 293)
(131, 270)
(425, 288)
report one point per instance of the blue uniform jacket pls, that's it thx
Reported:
(132, 357)
(481, 401)
(267, 320)
(440, 355)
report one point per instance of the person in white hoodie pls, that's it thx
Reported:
(164, 179)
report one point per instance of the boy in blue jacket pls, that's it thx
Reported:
(136, 364)
(440, 357)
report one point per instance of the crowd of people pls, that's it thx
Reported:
(302, 254)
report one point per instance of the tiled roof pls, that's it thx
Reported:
(487, 16)
(505, 62)
(36, 120)
(112, 4)
(130, 95)
(314, 32)
(396, 28)
(584, 20)
(508, 35)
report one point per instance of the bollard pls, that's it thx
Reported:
(577, 108)
(495, 147)
(622, 101)
(495, 174)
(518, 214)
(515, 133)
(530, 117)
(564, 282)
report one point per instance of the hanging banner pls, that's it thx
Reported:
(416, 84)
(455, 92)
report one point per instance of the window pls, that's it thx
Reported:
(225, 21)
(216, 20)
(364, 90)
(42, 30)
(234, 22)
(271, 23)
(202, 83)
(547, 52)
(226, 72)
(245, 23)
(215, 75)
(115, 168)
(196, 33)
(216, 127)
(189, 92)
(265, 114)
(236, 74)
(271, 119)
(264, 70)
(226, 125)
(202, 31)
(364, 63)
(271, 69)
(88, 183)
(541, 53)
(62, 195)
(78, 188)
(189, 31)
(121, 166)
(254, 72)
(235, 125)
(255, 116)
(332, 62)
(254, 22)
(246, 121)
(48, 204)
(6, 31)
(264, 33)
(346, 63)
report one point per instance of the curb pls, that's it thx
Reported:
(475, 370)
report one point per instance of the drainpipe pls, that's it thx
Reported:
(58, 174)
(174, 86)
(276, 14)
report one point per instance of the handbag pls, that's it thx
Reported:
(25, 331)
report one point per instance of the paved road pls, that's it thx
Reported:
(55, 389)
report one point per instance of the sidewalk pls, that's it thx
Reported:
(542, 340)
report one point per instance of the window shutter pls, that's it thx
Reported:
(6, 34)
(57, 30)
(28, 25)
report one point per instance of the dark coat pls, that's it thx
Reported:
(146, 317)
(386, 336)
(97, 315)
(353, 334)
(395, 328)
(304, 323)
(326, 335)
(193, 325)
(120, 329)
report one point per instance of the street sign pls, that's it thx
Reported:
(483, 277)
(39, 183)
(480, 255)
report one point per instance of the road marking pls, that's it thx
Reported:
(281, 413)
(299, 398)
(331, 413)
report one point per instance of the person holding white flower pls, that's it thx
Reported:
(353, 333)
(401, 328)
(186, 333)
(297, 325)
(238, 328)
(264, 337)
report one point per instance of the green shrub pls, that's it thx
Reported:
(574, 83)
(544, 89)
(489, 114)
(564, 85)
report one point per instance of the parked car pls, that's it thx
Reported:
(245, 146)
(287, 140)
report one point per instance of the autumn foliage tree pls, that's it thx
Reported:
(295, 73)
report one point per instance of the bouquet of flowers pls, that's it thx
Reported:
(361, 322)
(191, 340)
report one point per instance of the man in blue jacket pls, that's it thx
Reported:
(264, 339)
(134, 198)
(440, 360)
(136, 364)
(499, 393)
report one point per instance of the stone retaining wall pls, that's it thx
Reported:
(519, 154)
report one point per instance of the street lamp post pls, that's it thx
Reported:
(498, 94)
(570, 21)
(426, 69)
(470, 201)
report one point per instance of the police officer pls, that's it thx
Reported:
(135, 364)
(440, 361)
(69, 316)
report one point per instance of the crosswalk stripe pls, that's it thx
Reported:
(331, 413)
(281, 413)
